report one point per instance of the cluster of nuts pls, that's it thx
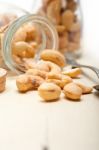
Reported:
(47, 76)
(25, 43)
(63, 14)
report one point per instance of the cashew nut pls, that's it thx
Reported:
(23, 50)
(72, 91)
(60, 80)
(53, 75)
(73, 73)
(20, 35)
(54, 56)
(29, 63)
(49, 91)
(36, 72)
(43, 65)
(53, 67)
(3, 74)
(68, 19)
(85, 89)
(53, 11)
(25, 82)
(71, 5)
(60, 29)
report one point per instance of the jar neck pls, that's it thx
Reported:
(42, 22)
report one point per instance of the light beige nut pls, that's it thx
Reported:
(31, 32)
(65, 80)
(60, 29)
(71, 5)
(53, 11)
(42, 65)
(85, 89)
(55, 81)
(29, 63)
(36, 72)
(73, 73)
(53, 67)
(72, 91)
(60, 82)
(63, 41)
(49, 91)
(53, 56)
(68, 19)
(17, 59)
(34, 46)
(73, 46)
(75, 27)
(23, 84)
(36, 81)
(52, 75)
(23, 50)
(26, 83)
(3, 74)
(20, 35)
(74, 38)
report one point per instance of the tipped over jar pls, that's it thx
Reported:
(23, 38)
(54, 24)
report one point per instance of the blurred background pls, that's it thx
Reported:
(90, 9)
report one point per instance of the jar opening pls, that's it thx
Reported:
(45, 37)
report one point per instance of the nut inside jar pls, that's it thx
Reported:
(65, 14)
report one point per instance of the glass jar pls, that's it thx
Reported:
(24, 40)
(8, 13)
(66, 15)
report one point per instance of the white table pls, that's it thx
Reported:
(71, 125)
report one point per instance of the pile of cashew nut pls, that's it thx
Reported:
(63, 13)
(47, 76)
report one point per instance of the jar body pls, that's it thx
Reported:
(24, 40)
(8, 14)
(67, 18)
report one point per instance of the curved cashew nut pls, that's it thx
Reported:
(25, 82)
(53, 56)
(49, 91)
(72, 91)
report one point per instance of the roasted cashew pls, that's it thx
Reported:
(49, 91)
(23, 50)
(68, 19)
(53, 67)
(36, 72)
(72, 91)
(20, 35)
(25, 82)
(3, 74)
(53, 11)
(73, 73)
(53, 56)
(85, 89)
(60, 81)
(42, 65)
